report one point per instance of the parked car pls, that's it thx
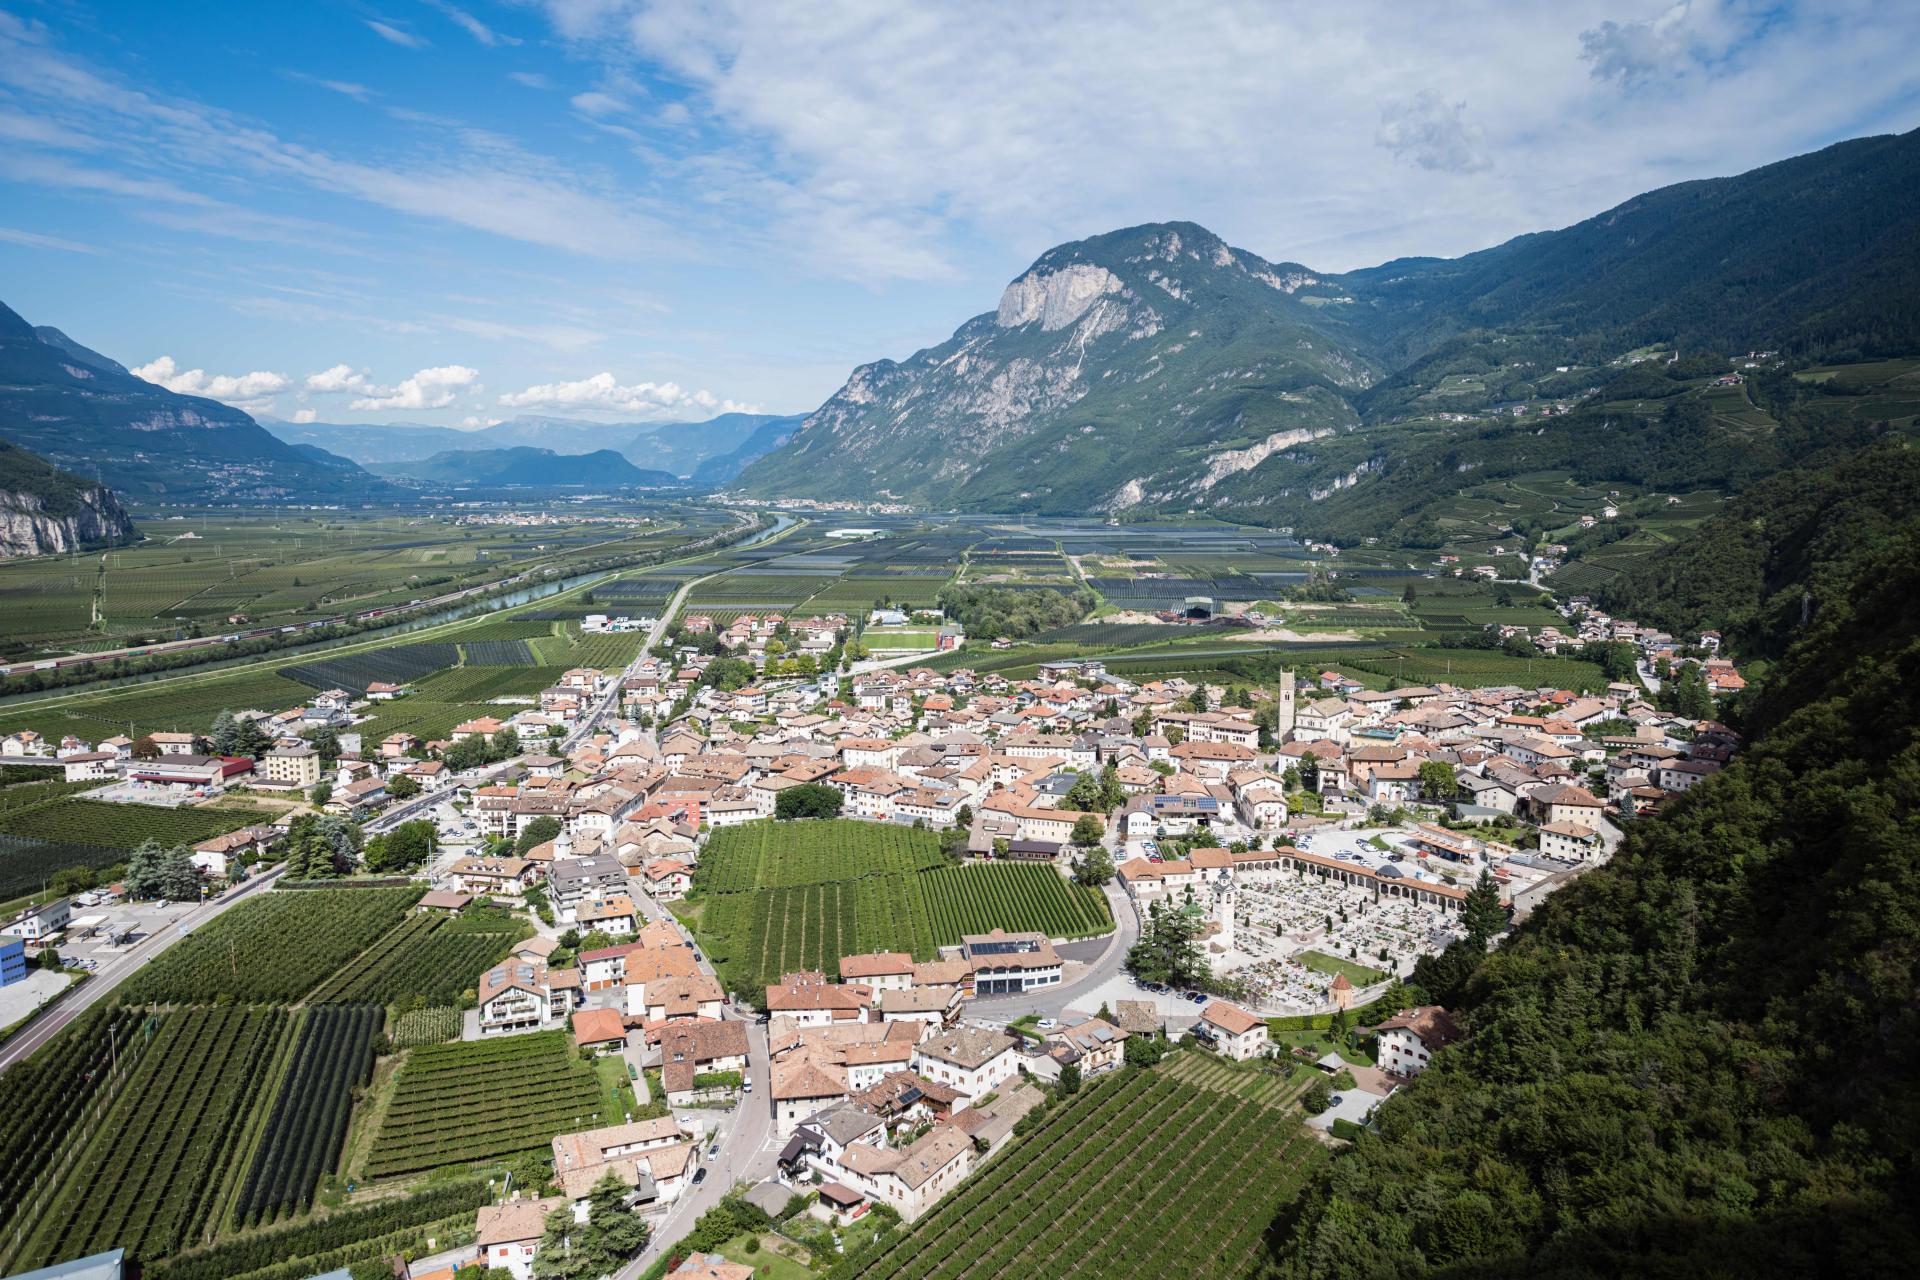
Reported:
(699, 1175)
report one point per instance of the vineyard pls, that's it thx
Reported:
(428, 956)
(309, 1118)
(377, 1230)
(152, 1176)
(271, 948)
(395, 664)
(54, 1097)
(773, 855)
(499, 653)
(471, 1101)
(772, 898)
(425, 1026)
(1141, 1175)
(64, 819)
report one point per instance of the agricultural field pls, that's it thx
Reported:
(177, 706)
(395, 664)
(483, 1100)
(367, 1233)
(270, 948)
(1139, 1175)
(840, 888)
(61, 831)
(152, 1175)
(308, 1122)
(429, 956)
(416, 1027)
(274, 566)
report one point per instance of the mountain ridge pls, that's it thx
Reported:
(1157, 368)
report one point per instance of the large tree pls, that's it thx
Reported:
(1482, 912)
(535, 833)
(808, 800)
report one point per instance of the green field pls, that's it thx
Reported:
(426, 955)
(482, 1100)
(272, 947)
(779, 897)
(1111, 1184)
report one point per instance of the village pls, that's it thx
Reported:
(1316, 839)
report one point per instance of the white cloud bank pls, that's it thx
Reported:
(246, 390)
(603, 392)
(427, 389)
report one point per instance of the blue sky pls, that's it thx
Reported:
(414, 210)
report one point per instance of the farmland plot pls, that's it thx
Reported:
(309, 1118)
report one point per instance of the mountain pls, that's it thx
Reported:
(678, 447)
(525, 466)
(369, 444)
(47, 511)
(85, 355)
(83, 412)
(1696, 1059)
(1158, 368)
(770, 433)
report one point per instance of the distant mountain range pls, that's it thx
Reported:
(681, 448)
(47, 511)
(525, 467)
(1159, 368)
(87, 414)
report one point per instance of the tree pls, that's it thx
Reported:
(1168, 950)
(179, 878)
(50, 957)
(1197, 700)
(1144, 1051)
(326, 743)
(224, 736)
(1087, 829)
(1438, 781)
(1085, 794)
(601, 1245)
(1069, 1079)
(401, 849)
(536, 833)
(145, 748)
(143, 877)
(727, 674)
(1319, 1097)
(1094, 867)
(1482, 913)
(320, 793)
(505, 744)
(320, 846)
(402, 786)
(808, 800)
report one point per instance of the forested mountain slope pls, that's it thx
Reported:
(1696, 1060)
(1158, 368)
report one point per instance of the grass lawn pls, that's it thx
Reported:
(1358, 974)
(615, 1087)
(900, 638)
(1319, 1044)
(766, 1263)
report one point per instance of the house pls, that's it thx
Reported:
(881, 971)
(1235, 1032)
(507, 1235)
(1409, 1039)
(1096, 1045)
(36, 924)
(505, 876)
(1010, 963)
(973, 1060)
(13, 962)
(520, 995)
(85, 766)
(912, 1178)
(612, 915)
(811, 1001)
(290, 766)
(652, 1156)
(601, 1030)
(1564, 803)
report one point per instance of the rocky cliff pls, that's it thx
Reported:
(47, 511)
(27, 528)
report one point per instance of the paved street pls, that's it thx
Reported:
(117, 970)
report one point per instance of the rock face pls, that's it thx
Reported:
(27, 528)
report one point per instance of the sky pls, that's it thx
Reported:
(423, 211)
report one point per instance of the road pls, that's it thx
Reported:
(111, 975)
(746, 1151)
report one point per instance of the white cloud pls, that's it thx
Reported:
(248, 390)
(340, 378)
(1432, 133)
(472, 423)
(530, 79)
(346, 88)
(479, 30)
(427, 389)
(894, 141)
(34, 240)
(394, 35)
(598, 104)
(1635, 51)
(601, 391)
(304, 416)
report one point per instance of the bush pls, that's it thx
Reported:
(1318, 1098)
(1347, 1129)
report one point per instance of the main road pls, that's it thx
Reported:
(135, 958)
